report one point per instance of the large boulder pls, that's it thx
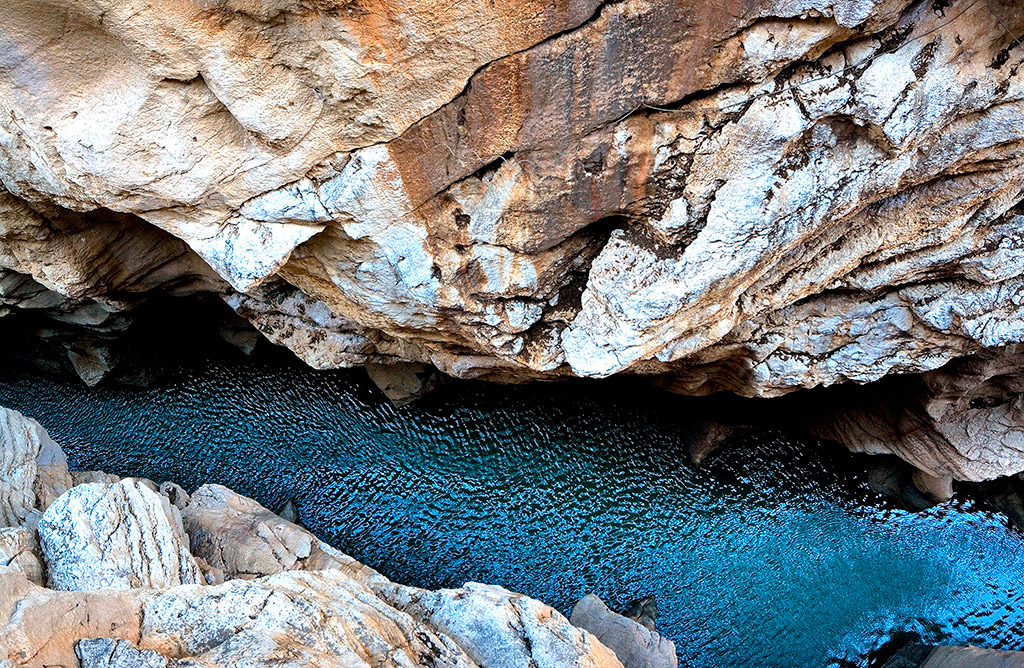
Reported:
(637, 645)
(123, 535)
(502, 629)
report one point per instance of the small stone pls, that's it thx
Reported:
(644, 611)
(938, 487)
(289, 512)
(178, 497)
(404, 382)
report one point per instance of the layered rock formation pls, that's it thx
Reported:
(135, 585)
(120, 535)
(756, 196)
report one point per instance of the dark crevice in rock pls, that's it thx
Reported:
(599, 232)
(487, 169)
(132, 347)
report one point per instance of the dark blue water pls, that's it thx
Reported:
(771, 553)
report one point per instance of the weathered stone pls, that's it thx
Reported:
(115, 536)
(42, 627)
(84, 477)
(292, 620)
(178, 497)
(289, 512)
(500, 629)
(324, 618)
(111, 653)
(19, 549)
(635, 644)
(643, 611)
(937, 487)
(245, 540)
(962, 421)
(33, 469)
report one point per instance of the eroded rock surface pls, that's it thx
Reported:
(962, 421)
(115, 536)
(19, 549)
(502, 629)
(757, 197)
(243, 539)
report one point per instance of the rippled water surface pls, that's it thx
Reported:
(771, 553)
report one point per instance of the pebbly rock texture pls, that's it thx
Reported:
(128, 593)
(636, 644)
(115, 536)
(753, 196)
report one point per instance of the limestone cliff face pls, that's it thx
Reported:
(746, 195)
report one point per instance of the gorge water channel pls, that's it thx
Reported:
(773, 552)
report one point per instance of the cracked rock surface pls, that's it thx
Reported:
(755, 196)
(115, 536)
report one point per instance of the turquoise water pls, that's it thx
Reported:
(771, 553)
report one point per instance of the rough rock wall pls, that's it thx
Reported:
(747, 195)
